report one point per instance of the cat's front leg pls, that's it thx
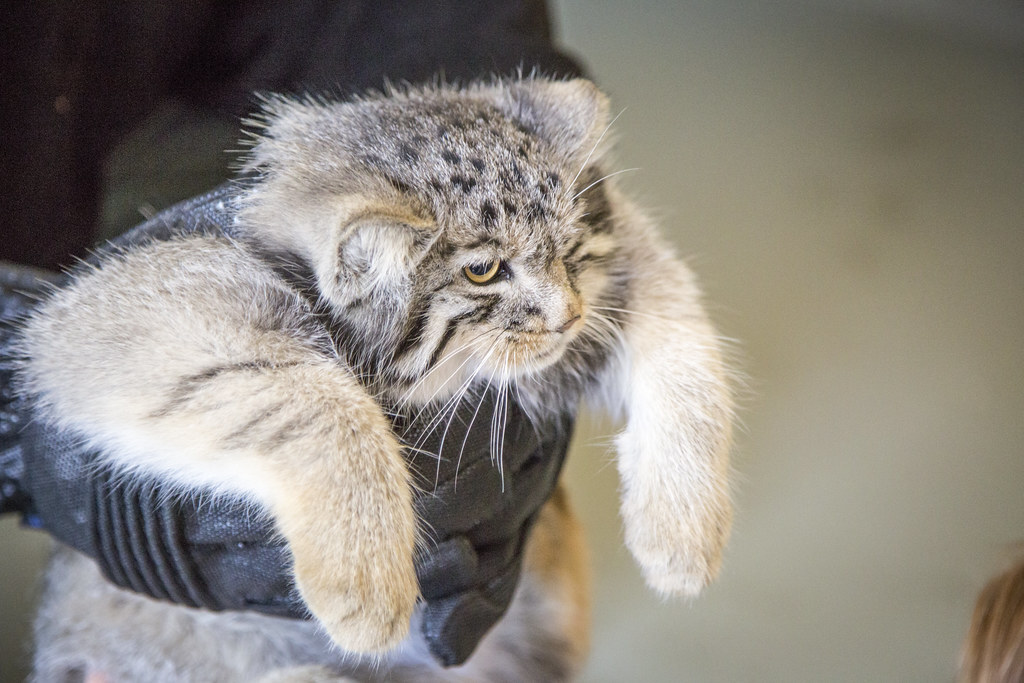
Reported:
(348, 516)
(673, 453)
(318, 452)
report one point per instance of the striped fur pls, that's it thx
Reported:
(257, 365)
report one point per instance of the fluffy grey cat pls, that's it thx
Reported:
(458, 237)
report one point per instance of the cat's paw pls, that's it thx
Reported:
(352, 536)
(678, 544)
(363, 597)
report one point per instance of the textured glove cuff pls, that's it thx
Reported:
(19, 288)
(217, 554)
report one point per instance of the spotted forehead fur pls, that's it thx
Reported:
(483, 167)
(480, 170)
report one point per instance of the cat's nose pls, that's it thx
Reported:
(569, 323)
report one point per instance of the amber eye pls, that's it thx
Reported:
(482, 273)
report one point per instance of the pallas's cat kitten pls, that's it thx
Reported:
(458, 237)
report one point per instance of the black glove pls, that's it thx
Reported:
(480, 520)
(217, 554)
(20, 287)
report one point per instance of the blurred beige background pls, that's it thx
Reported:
(847, 178)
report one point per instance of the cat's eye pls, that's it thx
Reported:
(482, 273)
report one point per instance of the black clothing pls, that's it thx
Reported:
(103, 95)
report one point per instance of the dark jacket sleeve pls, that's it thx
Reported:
(107, 93)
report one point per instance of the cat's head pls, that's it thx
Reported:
(451, 230)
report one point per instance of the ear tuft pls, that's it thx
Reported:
(377, 254)
(571, 114)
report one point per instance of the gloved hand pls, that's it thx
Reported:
(220, 554)
(480, 519)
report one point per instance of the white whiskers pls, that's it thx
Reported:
(601, 180)
(593, 149)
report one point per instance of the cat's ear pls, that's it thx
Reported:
(376, 254)
(570, 114)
